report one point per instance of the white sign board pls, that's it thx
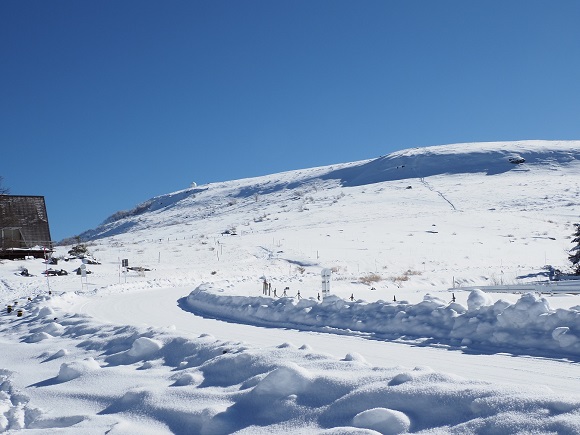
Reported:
(326, 275)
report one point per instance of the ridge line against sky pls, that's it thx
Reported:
(107, 104)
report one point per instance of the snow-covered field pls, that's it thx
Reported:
(228, 331)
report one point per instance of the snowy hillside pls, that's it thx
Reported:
(458, 213)
(413, 165)
(220, 325)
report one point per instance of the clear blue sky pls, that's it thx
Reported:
(104, 104)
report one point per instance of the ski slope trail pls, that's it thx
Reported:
(159, 308)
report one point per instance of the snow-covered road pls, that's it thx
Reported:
(159, 308)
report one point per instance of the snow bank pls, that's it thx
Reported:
(528, 326)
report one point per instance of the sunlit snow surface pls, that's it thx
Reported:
(196, 345)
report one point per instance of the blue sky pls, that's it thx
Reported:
(104, 104)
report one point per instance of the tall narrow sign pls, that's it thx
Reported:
(326, 275)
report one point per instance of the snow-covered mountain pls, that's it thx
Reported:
(412, 166)
(219, 325)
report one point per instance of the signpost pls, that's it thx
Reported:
(326, 274)
(83, 275)
(125, 264)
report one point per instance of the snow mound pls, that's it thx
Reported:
(478, 299)
(353, 356)
(15, 412)
(564, 336)
(144, 347)
(284, 381)
(383, 420)
(37, 337)
(58, 354)
(76, 369)
(189, 378)
(45, 312)
(54, 329)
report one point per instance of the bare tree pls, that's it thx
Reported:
(3, 190)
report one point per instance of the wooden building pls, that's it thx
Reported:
(24, 229)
